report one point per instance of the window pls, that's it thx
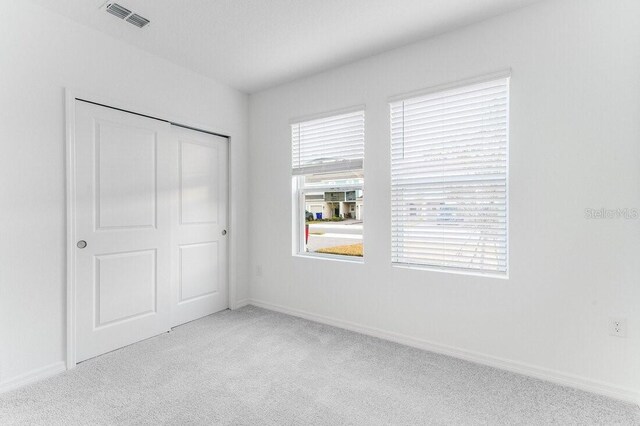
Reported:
(449, 179)
(328, 179)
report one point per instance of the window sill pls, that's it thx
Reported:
(331, 257)
(451, 271)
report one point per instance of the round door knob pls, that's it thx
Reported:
(224, 232)
(81, 244)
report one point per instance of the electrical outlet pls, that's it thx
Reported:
(618, 327)
(258, 271)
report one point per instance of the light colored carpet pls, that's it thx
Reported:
(257, 367)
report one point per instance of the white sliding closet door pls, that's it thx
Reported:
(150, 215)
(123, 229)
(199, 218)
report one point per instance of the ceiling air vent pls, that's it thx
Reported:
(117, 10)
(137, 20)
(123, 13)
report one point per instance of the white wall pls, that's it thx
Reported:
(575, 132)
(40, 54)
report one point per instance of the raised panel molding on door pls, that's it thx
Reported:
(199, 248)
(122, 211)
(198, 274)
(133, 274)
(199, 171)
(127, 151)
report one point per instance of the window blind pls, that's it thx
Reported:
(330, 144)
(449, 178)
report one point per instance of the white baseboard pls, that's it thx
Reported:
(582, 383)
(240, 303)
(32, 376)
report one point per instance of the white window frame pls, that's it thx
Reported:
(506, 74)
(299, 190)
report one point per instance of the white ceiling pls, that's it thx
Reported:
(255, 44)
